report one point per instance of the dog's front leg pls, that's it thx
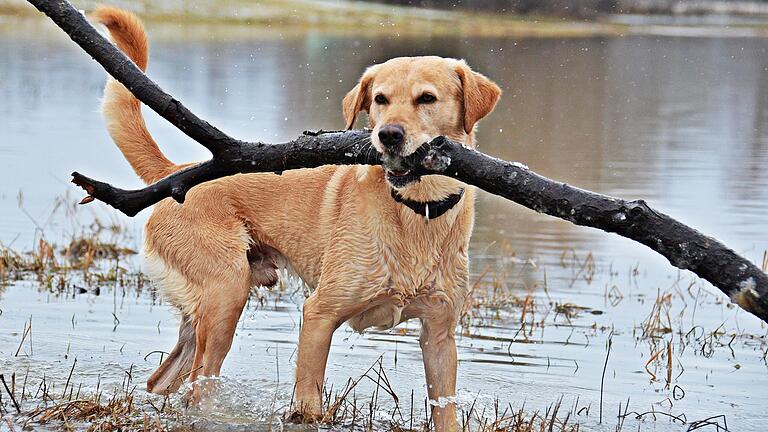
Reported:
(438, 348)
(317, 330)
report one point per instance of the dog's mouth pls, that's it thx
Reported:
(401, 179)
(398, 170)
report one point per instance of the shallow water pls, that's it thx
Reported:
(680, 122)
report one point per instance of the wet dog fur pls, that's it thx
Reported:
(371, 261)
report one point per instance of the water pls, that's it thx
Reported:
(679, 122)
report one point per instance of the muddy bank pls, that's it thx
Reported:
(595, 8)
(241, 19)
(343, 17)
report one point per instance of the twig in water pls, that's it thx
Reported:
(116, 321)
(622, 416)
(650, 360)
(681, 418)
(10, 393)
(162, 353)
(698, 424)
(696, 303)
(27, 331)
(669, 364)
(602, 378)
(24, 384)
(64, 393)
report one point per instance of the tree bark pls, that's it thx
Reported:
(683, 246)
(310, 150)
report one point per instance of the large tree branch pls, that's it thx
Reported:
(683, 246)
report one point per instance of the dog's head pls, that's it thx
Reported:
(411, 100)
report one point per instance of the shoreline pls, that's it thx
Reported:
(361, 18)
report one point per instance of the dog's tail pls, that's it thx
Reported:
(176, 368)
(121, 109)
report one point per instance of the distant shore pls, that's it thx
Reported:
(377, 18)
(596, 8)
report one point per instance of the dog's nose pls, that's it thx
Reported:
(391, 136)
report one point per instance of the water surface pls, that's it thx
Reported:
(679, 122)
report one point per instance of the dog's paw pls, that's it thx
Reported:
(302, 417)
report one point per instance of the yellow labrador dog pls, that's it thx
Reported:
(378, 245)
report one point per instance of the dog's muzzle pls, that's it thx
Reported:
(401, 170)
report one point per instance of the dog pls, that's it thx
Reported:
(378, 245)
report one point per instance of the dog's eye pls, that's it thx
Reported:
(426, 98)
(381, 99)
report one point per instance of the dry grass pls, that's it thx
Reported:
(343, 408)
(92, 257)
(40, 402)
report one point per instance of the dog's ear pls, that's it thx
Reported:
(480, 95)
(359, 98)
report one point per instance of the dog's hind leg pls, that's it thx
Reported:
(215, 327)
(198, 255)
(176, 367)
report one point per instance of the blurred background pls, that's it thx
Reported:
(594, 8)
(661, 100)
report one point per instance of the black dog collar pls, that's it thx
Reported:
(430, 209)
